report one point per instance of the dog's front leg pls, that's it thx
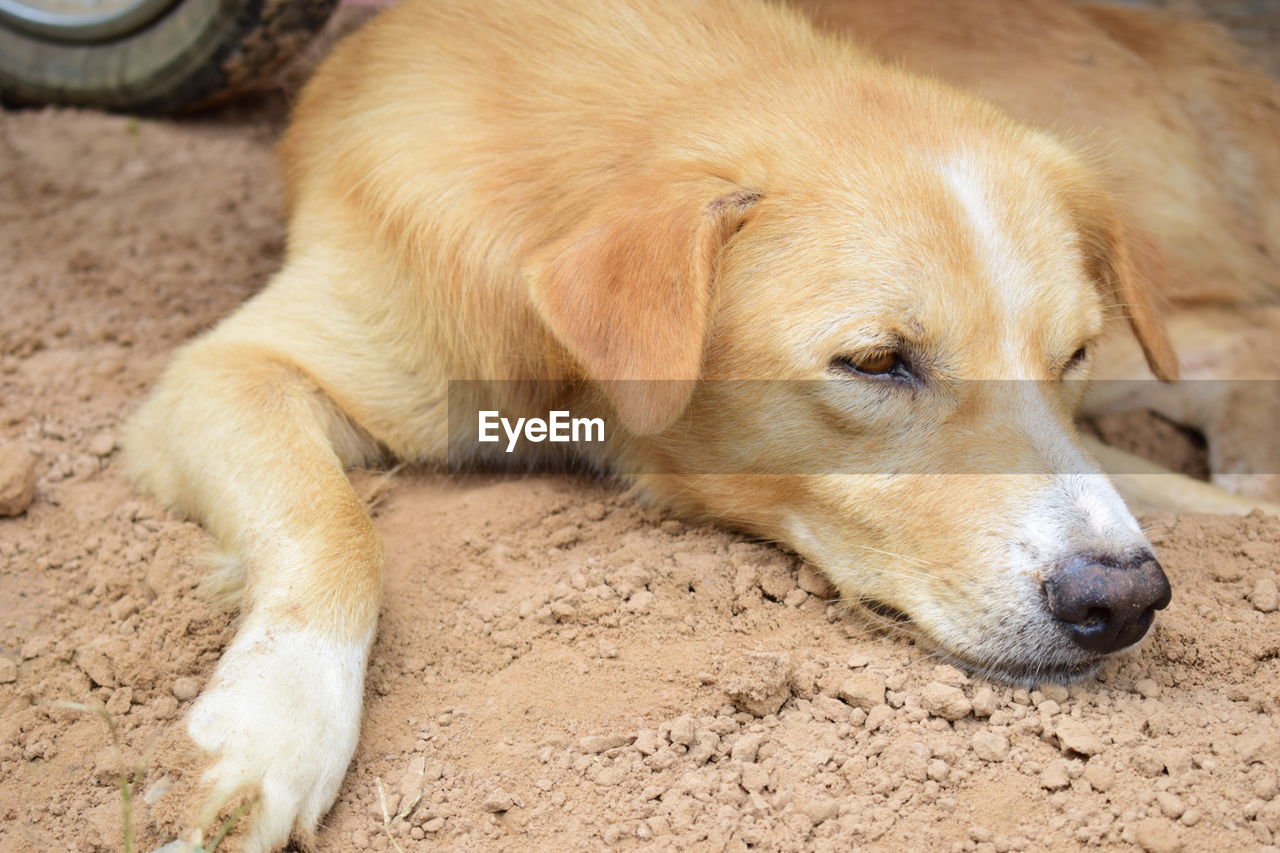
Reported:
(247, 443)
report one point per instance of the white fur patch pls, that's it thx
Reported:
(998, 253)
(1079, 510)
(282, 712)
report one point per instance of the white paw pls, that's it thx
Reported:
(280, 719)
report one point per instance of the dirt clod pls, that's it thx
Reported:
(1075, 737)
(1156, 835)
(17, 478)
(863, 690)
(1265, 596)
(760, 683)
(1146, 688)
(1099, 776)
(984, 702)
(94, 663)
(812, 581)
(1054, 775)
(990, 746)
(945, 701)
(601, 743)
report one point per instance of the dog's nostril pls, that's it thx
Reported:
(1105, 605)
(1095, 616)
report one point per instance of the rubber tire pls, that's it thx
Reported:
(196, 53)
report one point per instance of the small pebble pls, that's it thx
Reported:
(185, 689)
(647, 742)
(102, 444)
(164, 707)
(754, 777)
(821, 809)
(497, 801)
(1264, 595)
(94, 663)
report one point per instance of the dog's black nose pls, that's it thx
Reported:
(1106, 605)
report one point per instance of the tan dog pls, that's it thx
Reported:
(580, 192)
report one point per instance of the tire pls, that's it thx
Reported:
(150, 56)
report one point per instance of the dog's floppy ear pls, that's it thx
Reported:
(1127, 265)
(628, 294)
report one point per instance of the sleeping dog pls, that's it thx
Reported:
(625, 209)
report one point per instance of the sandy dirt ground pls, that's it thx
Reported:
(558, 667)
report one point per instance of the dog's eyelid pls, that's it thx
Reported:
(1077, 358)
(880, 363)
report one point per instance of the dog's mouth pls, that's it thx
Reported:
(1017, 672)
(1023, 673)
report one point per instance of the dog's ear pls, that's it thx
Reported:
(628, 294)
(1127, 265)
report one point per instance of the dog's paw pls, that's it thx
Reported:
(1264, 487)
(267, 744)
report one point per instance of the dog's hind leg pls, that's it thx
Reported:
(244, 440)
(1148, 487)
(1229, 391)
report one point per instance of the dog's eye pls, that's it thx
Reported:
(877, 363)
(1077, 358)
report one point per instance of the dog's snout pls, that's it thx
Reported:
(1106, 606)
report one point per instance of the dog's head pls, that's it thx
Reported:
(912, 308)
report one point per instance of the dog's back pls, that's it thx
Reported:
(454, 141)
(1189, 132)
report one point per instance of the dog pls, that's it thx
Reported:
(624, 209)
